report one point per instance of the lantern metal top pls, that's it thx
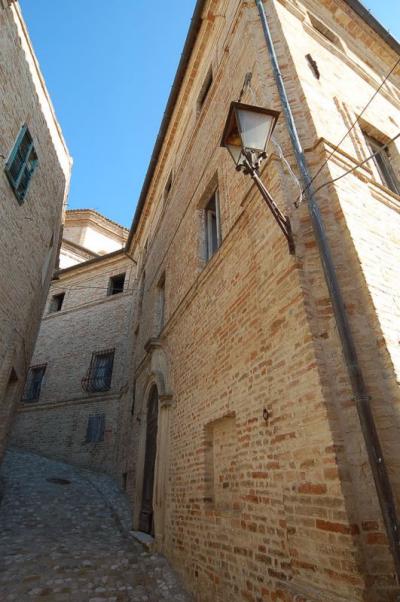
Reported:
(248, 128)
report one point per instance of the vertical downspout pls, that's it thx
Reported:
(368, 427)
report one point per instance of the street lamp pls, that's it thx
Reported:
(246, 135)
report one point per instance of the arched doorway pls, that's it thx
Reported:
(146, 519)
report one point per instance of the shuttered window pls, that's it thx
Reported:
(34, 383)
(95, 428)
(21, 164)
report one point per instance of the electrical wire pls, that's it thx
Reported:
(346, 173)
(81, 288)
(290, 170)
(351, 127)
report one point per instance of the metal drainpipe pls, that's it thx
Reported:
(375, 455)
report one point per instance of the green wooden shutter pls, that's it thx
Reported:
(21, 164)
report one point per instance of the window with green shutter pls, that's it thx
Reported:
(21, 164)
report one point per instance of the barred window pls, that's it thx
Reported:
(100, 372)
(95, 428)
(34, 383)
(21, 164)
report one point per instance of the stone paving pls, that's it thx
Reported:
(63, 542)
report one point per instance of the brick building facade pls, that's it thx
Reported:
(245, 455)
(70, 407)
(34, 183)
(235, 421)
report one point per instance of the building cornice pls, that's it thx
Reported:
(374, 24)
(73, 246)
(98, 219)
(90, 263)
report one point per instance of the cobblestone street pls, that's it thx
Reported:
(61, 541)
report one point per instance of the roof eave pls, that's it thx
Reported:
(190, 41)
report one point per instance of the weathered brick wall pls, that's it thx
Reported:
(362, 217)
(283, 509)
(27, 230)
(89, 321)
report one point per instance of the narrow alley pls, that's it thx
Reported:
(61, 539)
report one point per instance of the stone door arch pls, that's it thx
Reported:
(146, 518)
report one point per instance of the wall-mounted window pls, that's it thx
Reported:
(116, 284)
(100, 371)
(34, 383)
(212, 226)
(160, 304)
(21, 164)
(56, 303)
(327, 33)
(168, 187)
(95, 428)
(141, 295)
(133, 398)
(382, 163)
(205, 88)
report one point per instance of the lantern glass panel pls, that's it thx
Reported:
(236, 152)
(255, 129)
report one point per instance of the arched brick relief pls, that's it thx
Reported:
(158, 376)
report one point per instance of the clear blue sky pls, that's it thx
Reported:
(109, 67)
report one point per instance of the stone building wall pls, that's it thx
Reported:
(89, 321)
(89, 229)
(277, 504)
(29, 231)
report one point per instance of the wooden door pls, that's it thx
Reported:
(146, 521)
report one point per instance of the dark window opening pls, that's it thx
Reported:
(325, 31)
(95, 428)
(13, 377)
(313, 66)
(116, 284)
(382, 163)
(133, 399)
(204, 90)
(56, 302)
(160, 310)
(124, 480)
(212, 226)
(34, 383)
(21, 164)
(168, 186)
(141, 294)
(99, 376)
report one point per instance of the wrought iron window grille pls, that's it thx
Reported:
(99, 376)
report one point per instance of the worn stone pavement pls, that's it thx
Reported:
(63, 542)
